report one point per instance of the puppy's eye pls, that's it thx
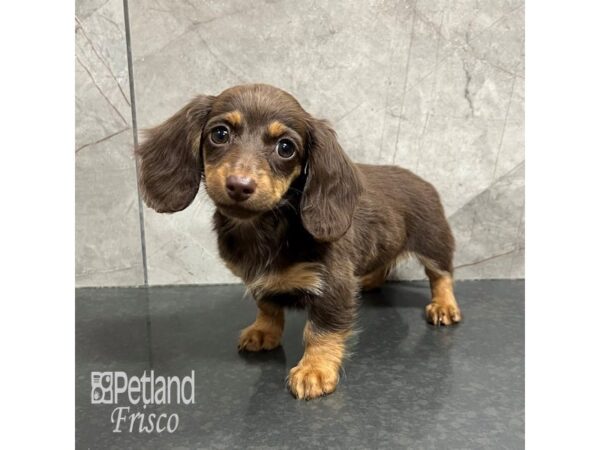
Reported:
(286, 148)
(220, 135)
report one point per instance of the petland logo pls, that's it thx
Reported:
(111, 388)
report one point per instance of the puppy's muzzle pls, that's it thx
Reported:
(240, 188)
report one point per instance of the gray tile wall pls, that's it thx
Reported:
(436, 86)
(108, 245)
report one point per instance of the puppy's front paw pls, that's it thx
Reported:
(442, 312)
(254, 339)
(308, 381)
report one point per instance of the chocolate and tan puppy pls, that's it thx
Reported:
(296, 219)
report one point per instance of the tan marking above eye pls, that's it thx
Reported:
(234, 118)
(276, 129)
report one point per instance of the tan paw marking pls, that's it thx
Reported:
(254, 339)
(307, 381)
(442, 313)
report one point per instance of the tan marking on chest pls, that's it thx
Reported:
(304, 276)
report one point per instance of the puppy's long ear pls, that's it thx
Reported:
(333, 185)
(170, 158)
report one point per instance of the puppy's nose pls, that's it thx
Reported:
(240, 188)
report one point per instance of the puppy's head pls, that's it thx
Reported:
(250, 143)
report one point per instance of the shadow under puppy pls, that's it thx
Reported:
(296, 219)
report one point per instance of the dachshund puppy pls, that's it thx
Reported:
(296, 219)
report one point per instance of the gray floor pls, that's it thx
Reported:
(407, 385)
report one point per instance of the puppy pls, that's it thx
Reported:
(296, 219)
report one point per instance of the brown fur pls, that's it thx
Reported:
(317, 227)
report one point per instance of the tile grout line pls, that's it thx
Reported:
(140, 203)
(135, 137)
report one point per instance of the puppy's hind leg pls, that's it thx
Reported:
(443, 309)
(435, 249)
